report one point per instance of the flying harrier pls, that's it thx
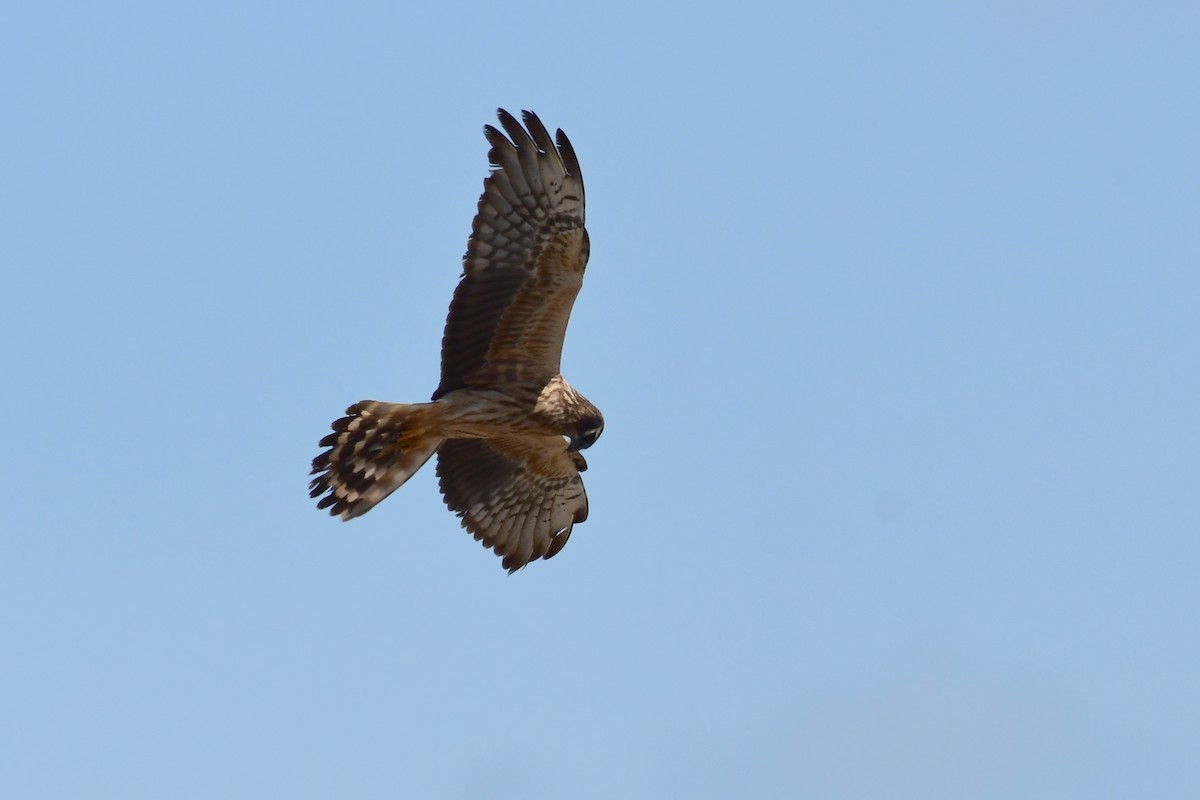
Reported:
(506, 427)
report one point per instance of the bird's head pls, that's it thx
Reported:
(587, 431)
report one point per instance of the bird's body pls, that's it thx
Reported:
(498, 418)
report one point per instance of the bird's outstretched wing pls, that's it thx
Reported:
(519, 495)
(524, 262)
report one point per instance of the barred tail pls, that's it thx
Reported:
(372, 451)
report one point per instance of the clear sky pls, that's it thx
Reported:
(891, 312)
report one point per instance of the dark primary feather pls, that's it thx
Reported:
(524, 261)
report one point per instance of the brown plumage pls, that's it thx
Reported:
(500, 414)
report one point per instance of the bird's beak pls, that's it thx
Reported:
(573, 444)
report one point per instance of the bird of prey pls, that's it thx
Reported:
(506, 427)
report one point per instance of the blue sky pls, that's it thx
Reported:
(891, 311)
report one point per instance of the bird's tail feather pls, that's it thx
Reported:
(372, 451)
